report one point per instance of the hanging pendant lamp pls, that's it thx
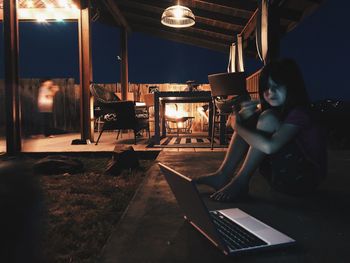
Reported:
(178, 16)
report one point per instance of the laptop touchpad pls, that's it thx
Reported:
(250, 223)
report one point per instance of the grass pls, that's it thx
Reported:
(81, 209)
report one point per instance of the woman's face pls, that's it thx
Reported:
(276, 94)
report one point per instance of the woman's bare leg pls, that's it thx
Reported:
(236, 151)
(240, 183)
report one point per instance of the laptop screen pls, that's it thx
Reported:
(191, 204)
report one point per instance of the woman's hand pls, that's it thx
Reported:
(233, 119)
(248, 108)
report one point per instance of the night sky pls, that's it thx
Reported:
(318, 44)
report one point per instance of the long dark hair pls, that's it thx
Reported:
(284, 72)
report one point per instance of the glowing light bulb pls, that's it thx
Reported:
(178, 12)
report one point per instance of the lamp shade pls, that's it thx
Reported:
(233, 83)
(178, 16)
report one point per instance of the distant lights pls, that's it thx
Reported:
(44, 10)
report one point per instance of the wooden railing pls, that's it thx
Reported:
(253, 85)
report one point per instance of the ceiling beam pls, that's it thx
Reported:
(190, 31)
(117, 15)
(134, 7)
(237, 5)
(249, 28)
(161, 6)
(146, 20)
(200, 27)
(181, 38)
(227, 9)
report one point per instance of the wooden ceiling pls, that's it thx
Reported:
(217, 21)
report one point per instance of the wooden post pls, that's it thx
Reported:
(86, 112)
(268, 30)
(273, 32)
(124, 73)
(12, 101)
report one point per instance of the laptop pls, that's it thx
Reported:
(231, 230)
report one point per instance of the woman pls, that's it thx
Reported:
(281, 138)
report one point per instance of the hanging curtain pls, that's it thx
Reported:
(231, 67)
(236, 61)
(239, 60)
(261, 32)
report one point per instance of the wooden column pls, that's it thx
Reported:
(273, 32)
(86, 111)
(12, 107)
(268, 30)
(124, 73)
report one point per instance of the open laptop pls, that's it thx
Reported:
(231, 230)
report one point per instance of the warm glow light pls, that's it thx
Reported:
(178, 12)
(74, 7)
(174, 112)
(23, 12)
(178, 16)
(50, 7)
(30, 4)
(40, 18)
(63, 3)
(59, 18)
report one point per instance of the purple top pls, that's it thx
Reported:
(311, 138)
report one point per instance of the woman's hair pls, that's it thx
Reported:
(284, 72)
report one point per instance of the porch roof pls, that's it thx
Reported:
(217, 21)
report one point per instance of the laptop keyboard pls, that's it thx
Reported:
(235, 236)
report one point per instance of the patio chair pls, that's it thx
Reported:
(117, 115)
(223, 85)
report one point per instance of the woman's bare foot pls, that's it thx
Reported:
(238, 187)
(216, 180)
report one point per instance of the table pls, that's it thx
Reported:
(163, 97)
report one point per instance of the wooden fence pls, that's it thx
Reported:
(66, 109)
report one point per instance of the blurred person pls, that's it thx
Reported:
(46, 94)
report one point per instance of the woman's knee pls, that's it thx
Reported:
(268, 121)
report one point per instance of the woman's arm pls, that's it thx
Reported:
(267, 143)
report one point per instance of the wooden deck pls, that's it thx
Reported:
(62, 143)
